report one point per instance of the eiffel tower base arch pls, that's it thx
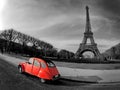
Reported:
(92, 48)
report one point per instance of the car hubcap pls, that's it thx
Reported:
(42, 80)
(20, 69)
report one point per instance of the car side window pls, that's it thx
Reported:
(43, 65)
(36, 63)
(30, 61)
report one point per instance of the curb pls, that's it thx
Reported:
(82, 79)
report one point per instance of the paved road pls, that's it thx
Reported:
(77, 73)
(10, 79)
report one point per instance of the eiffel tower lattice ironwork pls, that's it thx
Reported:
(88, 34)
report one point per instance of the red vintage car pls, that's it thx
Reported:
(44, 69)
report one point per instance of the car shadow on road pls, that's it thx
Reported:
(60, 82)
(69, 82)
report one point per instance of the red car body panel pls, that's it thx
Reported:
(53, 71)
(40, 68)
(28, 68)
(35, 70)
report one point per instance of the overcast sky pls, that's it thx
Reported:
(62, 22)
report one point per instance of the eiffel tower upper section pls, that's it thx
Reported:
(88, 33)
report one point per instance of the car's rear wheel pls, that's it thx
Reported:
(20, 69)
(42, 80)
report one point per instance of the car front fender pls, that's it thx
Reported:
(22, 65)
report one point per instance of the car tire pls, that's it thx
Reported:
(20, 69)
(42, 80)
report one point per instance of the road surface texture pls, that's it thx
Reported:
(10, 79)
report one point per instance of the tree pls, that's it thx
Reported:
(64, 54)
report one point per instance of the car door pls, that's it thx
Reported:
(36, 67)
(29, 65)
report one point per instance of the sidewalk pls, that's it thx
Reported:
(86, 75)
(90, 75)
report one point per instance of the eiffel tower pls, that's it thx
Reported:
(88, 34)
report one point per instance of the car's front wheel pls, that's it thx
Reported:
(20, 69)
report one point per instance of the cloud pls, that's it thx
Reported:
(69, 28)
(107, 29)
(104, 44)
(109, 10)
(62, 22)
(71, 45)
(110, 6)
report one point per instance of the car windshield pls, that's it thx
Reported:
(50, 64)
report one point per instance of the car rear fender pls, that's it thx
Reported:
(44, 75)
